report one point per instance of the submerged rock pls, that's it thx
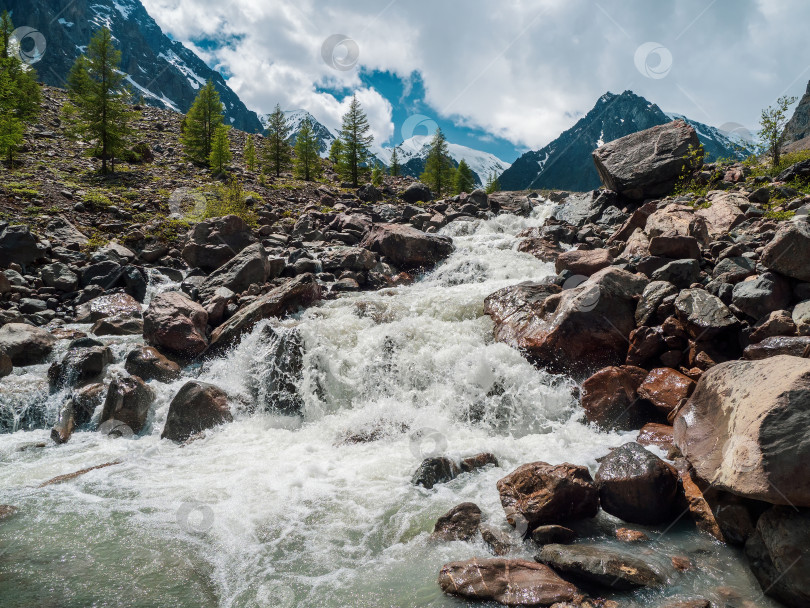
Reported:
(459, 523)
(196, 407)
(435, 470)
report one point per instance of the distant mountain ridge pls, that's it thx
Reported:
(163, 72)
(566, 163)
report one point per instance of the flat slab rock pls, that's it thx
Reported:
(511, 582)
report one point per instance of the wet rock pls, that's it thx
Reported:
(651, 298)
(510, 582)
(128, 401)
(690, 603)
(610, 400)
(776, 323)
(251, 266)
(64, 425)
(659, 435)
(648, 163)
(435, 470)
(297, 293)
(417, 192)
(665, 388)
(196, 407)
(680, 273)
(111, 305)
(789, 251)
(579, 209)
(149, 364)
(407, 247)
(459, 523)
(85, 402)
(497, 540)
(626, 535)
(273, 381)
(743, 429)
(118, 326)
(6, 366)
(611, 568)
(676, 247)
(80, 366)
(758, 297)
(175, 323)
(539, 493)
(213, 242)
(796, 346)
(636, 486)
(646, 343)
(7, 511)
(779, 555)
(583, 262)
(18, 245)
(703, 314)
(478, 461)
(25, 344)
(553, 534)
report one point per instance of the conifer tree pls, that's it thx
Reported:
(438, 174)
(336, 152)
(99, 99)
(220, 150)
(355, 141)
(493, 185)
(395, 169)
(11, 136)
(250, 154)
(200, 126)
(377, 176)
(464, 179)
(307, 162)
(277, 150)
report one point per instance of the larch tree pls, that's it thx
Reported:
(438, 174)
(464, 179)
(355, 136)
(250, 154)
(307, 162)
(277, 151)
(395, 169)
(220, 150)
(200, 125)
(336, 152)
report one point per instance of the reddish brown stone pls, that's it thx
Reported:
(583, 262)
(631, 536)
(659, 435)
(610, 400)
(645, 343)
(665, 388)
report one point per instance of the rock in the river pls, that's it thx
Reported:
(6, 366)
(459, 523)
(196, 407)
(128, 401)
(779, 555)
(110, 305)
(25, 344)
(665, 387)
(176, 323)
(438, 469)
(79, 366)
(539, 493)
(299, 292)
(603, 566)
(648, 163)
(118, 326)
(406, 247)
(149, 364)
(744, 429)
(553, 535)
(789, 251)
(636, 486)
(610, 398)
(510, 582)
(251, 266)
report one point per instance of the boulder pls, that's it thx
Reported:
(676, 247)
(196, 407)
(734, 269)
(636, 486)
(637, 246)
(704, 315)
(800, 170)
(175, 323)
(651, 298)
(18, 245)
(776, 323)
(665, 388)
(128, 401)
(118, 326)
(801, 318)
(509, 582)
(583, 262)
(149, 364)
(681, 273)
(795, 346)
(579, 209)
(106, 274)
(369, 194)
(478, 461)
(653, 433)
(80, 366)
(610, 400)
(677, 220)
(59, 276)
(789, 251)
(215, 241)
(6, 366)
(723, 214)
(406, 247)
(297, 293)
(251, 266)
(762, 295)
(645, 343)
(553, 534)
(459, 523)
(538, 493)
(61, 231)
(648, 163)
(417, 192)
(437, 469)
(25, 344)
(779, 555)
(577, 330)
(744, 429)
(355, 259)
(110, 305)
(602, 566)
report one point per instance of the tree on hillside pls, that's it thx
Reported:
(99, 99)
(493, 185)
(377, 176)
(336, 152)
(307, 162)
(277, 149)
(772, 128)
(355, 139)
(201, 123)
(464, 179)
(19, 93)
(438, 174)
(250, 154)
(394, 170)
(220, 150)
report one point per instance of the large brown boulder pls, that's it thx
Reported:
(110, 305)
(406, 247)
(128, 401)
(648, 163)
(25, 344)
(539, 493)
(147, 363)
(789, 251)
(576, 330)
(196, 407)
(583, 262)
(297, 293)
(636, 486)
(510, 582)
(610, 398)
(175, 323)
(744, 429)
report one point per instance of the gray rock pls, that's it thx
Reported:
(795, 346)
(251, 266)
(59, 276)
(61, 231)
(789, 251)
(196, 407)
(112, 305)
(704, 315)
(680, 273)
(104, 274)
(406, 247)
(80, 366)
(18, 245)
(417, 192)
(760, 296)
(801, 317)
(654, 293)
(25, 344)
(213, 242)
(580, 209)
(435, 470)
(369, 194)
(733, 269)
